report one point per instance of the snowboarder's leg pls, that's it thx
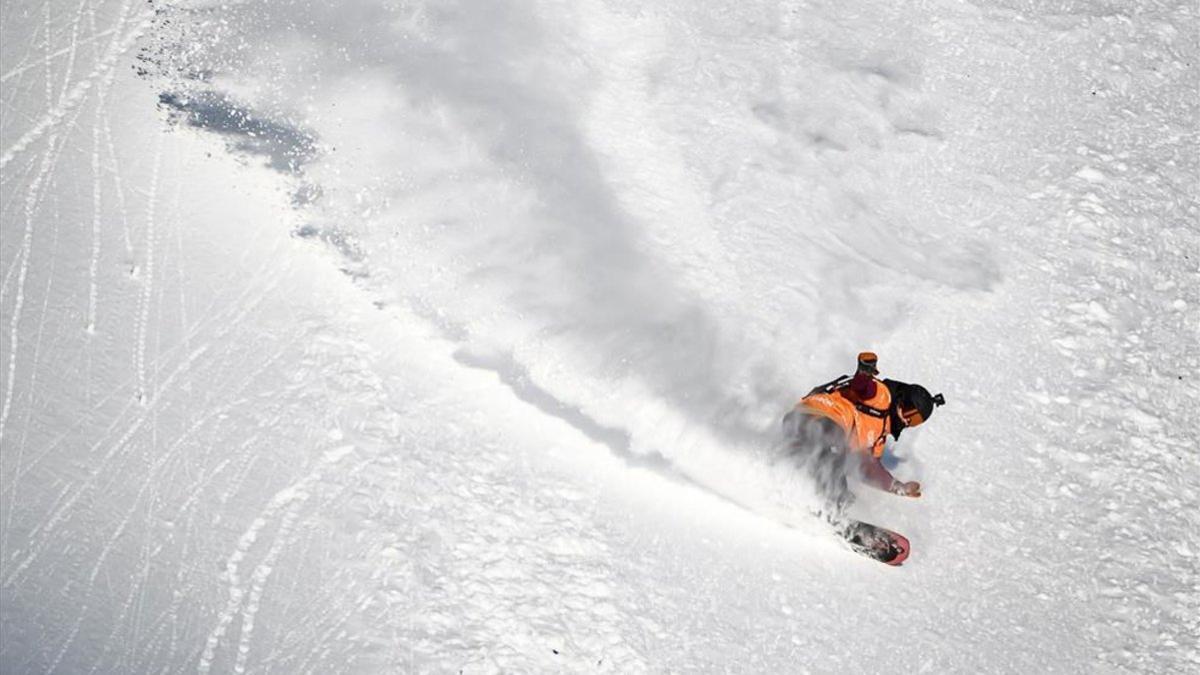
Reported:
(817, 445)
(829, 475)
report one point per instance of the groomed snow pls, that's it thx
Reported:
(434, 337)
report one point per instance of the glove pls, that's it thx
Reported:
(907, 489)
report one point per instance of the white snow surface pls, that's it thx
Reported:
(377, 336)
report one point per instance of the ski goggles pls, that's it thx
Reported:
(912, 417)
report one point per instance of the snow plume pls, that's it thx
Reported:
(533, 193)
(507, 232)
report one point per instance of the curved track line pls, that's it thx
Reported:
(77, 92)
(291, 498)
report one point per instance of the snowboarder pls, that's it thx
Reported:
(842, 426)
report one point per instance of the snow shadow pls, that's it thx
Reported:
(285, 146)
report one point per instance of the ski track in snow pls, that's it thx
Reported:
(288, 500)
(146, 277)
(489, 311)
(78, 90)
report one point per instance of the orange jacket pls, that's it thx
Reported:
(866, 422)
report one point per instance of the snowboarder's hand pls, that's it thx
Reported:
(907, 489)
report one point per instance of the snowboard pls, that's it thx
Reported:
(875, 542)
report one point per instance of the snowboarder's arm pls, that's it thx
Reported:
(877, 476)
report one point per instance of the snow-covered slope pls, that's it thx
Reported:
(372, 336)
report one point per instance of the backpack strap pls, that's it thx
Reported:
(831, 386)
(841, 383)
(871, 412)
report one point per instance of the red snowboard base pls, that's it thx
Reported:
(876, 543)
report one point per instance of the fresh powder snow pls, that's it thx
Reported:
(382, 336)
